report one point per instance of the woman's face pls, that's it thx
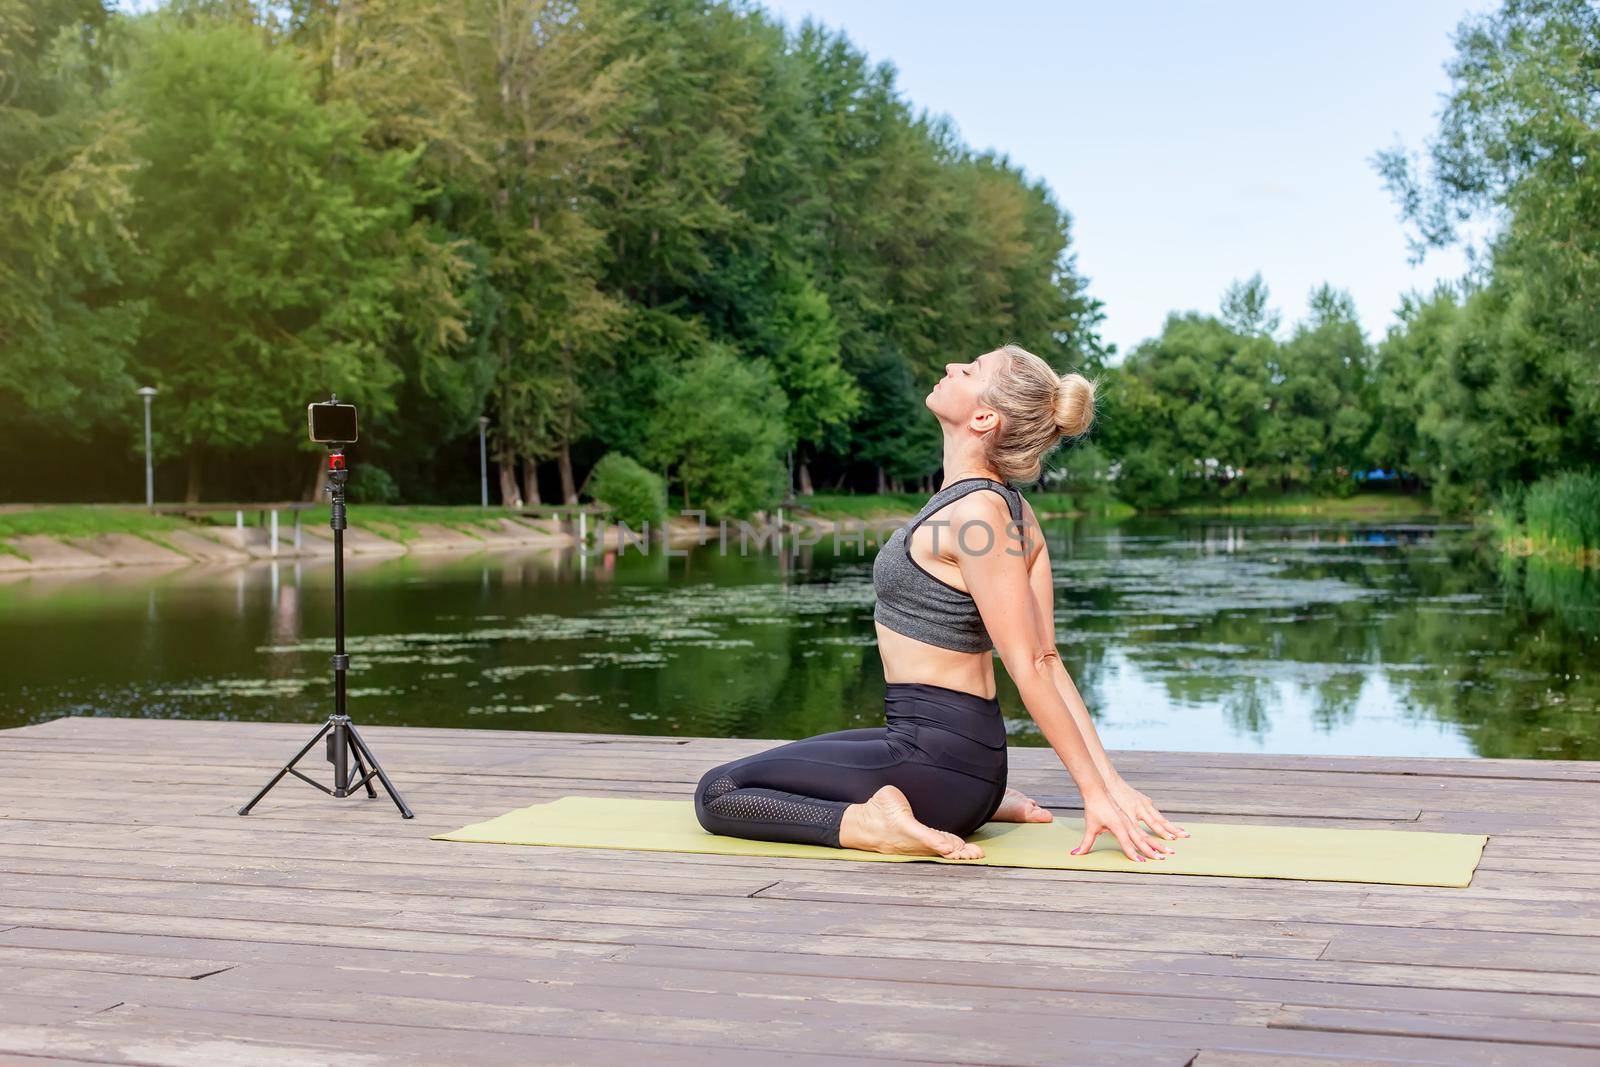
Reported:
(956, 397)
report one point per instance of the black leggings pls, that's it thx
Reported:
(944, 749)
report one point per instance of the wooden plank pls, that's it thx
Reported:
(1466, 948)
(17, 1006)
(619, 924)
(727, 1022)
(105, 729)
(719, 1022)
(164, 1037)
(1209, 1057)
(681, 887)
(1452, 1025)
(1102, 975)
(490, 749)
(677, 775)
(1306, 982)
(12, 955)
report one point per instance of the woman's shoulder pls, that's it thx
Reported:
(999, 506)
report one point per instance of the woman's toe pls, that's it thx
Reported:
(954, 847)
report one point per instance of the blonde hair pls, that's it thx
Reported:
(1037, 407)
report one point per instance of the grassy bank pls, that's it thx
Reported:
(397, 522)
(1368, 505)
(1556, 519)
(83, 520)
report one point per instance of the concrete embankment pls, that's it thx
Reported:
(240, 544)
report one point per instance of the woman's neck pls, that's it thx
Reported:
(962, 460)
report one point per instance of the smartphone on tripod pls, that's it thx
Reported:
(332, 423)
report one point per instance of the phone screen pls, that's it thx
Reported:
(333, 423)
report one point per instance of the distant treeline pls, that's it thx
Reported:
(677, 231)
(1478, 388)
(668, 228)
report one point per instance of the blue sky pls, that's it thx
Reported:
(1191, 144)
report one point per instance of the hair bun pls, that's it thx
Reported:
(1074, 405)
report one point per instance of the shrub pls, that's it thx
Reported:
(634, 494)
(372, 485)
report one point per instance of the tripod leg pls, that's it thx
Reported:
(361, 746)
(361, 773)
(298, 756)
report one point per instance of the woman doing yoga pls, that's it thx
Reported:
(967, 576)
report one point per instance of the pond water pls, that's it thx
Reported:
(1187, 634)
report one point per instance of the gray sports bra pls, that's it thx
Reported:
(915, 603)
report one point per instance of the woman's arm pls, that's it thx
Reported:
(1136, 804)
(996, 576)
(1041, 584)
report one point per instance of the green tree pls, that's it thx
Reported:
(719, 428)
(545, 211)
(269, 239)
(1517, 394)
(1404, 397)
(1318, 422)
(1185, 412)
(1245, 307)
(66, 176)
(801, 339)
(551, 101)
(405, 63)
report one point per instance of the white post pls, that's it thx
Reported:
(583, 529)
(297, 531)
(274, 534)
(149, 466)
(238, 519)
(483, 462)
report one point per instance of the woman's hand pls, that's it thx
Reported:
(1137, 806)
(1102, 814)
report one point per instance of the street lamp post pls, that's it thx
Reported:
(483, 461)
(149, 471)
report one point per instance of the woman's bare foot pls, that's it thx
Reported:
(885, 824)
(1019, 807)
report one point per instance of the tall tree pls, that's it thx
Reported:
(1519, 388)
(1319, 418)
(1246, 307)
(66, 177)
(550, 94)
(404, 63)
(269, 238)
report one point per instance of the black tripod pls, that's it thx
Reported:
(343, 740)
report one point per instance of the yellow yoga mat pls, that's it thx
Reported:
(1235, 850)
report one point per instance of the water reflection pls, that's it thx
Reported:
(1183, 635)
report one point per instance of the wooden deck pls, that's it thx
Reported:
(143, 922)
